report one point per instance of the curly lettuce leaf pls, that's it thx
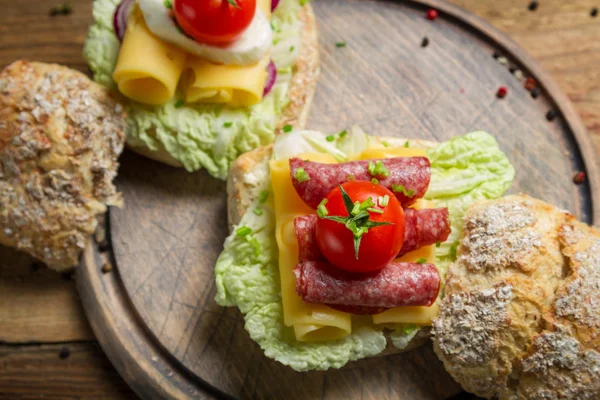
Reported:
(202, 136)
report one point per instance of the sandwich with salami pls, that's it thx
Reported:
(339, 243)
(205, 80)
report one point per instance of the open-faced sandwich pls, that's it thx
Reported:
(205, 80)
(340, 243)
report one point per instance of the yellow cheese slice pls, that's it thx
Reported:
(311, 322)
(238, 86)
(148, 69)
(389, 152)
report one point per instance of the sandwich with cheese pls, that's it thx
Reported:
(339, 243)
(205, 81)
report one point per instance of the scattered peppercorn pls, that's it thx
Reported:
(432, 14)
(533, 5)
(529, 83)
(594, 12)
(35, 266)
(535, 93)
(496, 54)
(64, 353)
(579, 177)
(425, 42)
(103, 246)
(501, 93)
(550, 115)
(512, 69)
(67, 276)
(61, 9)
(106, 268)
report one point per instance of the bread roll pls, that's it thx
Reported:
(521, 314)
(60, 137)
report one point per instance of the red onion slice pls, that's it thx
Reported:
(120, 18)
(274, 4)
(271, 77)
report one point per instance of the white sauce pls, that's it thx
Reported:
(248, 49)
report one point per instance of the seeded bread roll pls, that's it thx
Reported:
(521, 314)
(60, 137)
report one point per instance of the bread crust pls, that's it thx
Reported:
(60, 137)
(301, 91)
(520, 318)
(241, 193)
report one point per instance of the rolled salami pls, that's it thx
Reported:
(423, 228)
(397, 284)
(408, 177)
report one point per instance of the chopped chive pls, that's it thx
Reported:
(228, 124)
(453, 251)
(351, 177)
(383, 201)
(421, 261)
(304, 2)
(385, 144)
(375, 210)
(401, 189)
(356, 208)
(378, 169)
(406, 144)
(410, 328)
(438, 243)
(287, 128)
(243, 231)
(291, 48)
(371, 168)
(330, 138)
(322, 210)
(340, 44)
(343, 133)
(258, 211)
(262, 197)
(169, 4)
(179, 103)
(374, 181)
(255, 244)
(301, 175)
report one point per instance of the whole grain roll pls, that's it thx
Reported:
(521, 314)
(60, 137)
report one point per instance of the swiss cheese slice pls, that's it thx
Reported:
(148, 69)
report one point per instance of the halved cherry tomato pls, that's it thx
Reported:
(214, 21)
(378, 246)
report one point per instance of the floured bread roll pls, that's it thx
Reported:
(60, 137)
(521, 314)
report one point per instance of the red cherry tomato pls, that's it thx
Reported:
(214, 21)
(378, 246)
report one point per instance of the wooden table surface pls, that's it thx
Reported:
(47, 349)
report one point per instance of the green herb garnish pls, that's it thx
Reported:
(438, 243)
(321, 209)
(340, 44)
(421, 261)
(383, 201)
(401, 189)
(243, 231)
(287, 128)
(301, 175)
(330, 138)
(351, 177)
(234, 4)
(169, 4)
(262, 197)
(378, 169)
(406, 144)
(258, 211)
(291, 48)
(375, 210)
(343, 133)
(180, 103)
(228, 124)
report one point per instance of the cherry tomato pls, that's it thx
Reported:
(214, 21)
(378, 246)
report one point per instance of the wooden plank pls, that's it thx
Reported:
(59, 371)
(37, 304)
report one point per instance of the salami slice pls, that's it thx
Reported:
(424, 228)
(397, 284)
(408, 177)
(308, 249)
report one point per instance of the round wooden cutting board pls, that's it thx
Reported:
(154, 314)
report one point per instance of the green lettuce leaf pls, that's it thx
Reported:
(203, 136)
(464, 170)
(247, 272)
